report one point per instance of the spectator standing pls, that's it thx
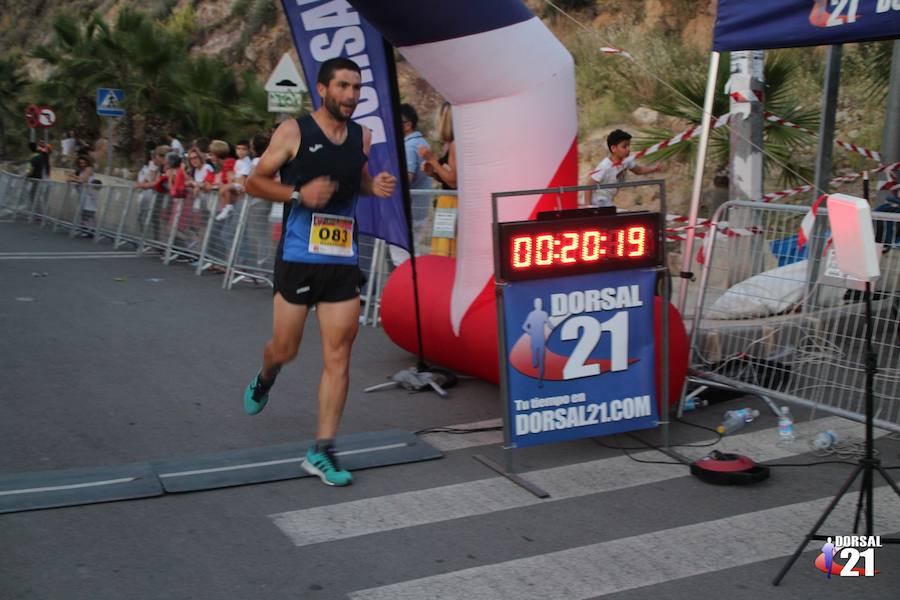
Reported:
(160, 187)
(418, 178)
(175, 144)
(223, 172)
(69, 146)
(255, 244)
(443, 170)
(87, 194)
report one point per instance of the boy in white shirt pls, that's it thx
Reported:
(230, 193)
(612, 169)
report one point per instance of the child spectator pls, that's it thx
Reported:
(230, 193)
(87, 193)
(612, 169)
(218, 155)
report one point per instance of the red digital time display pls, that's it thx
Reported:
(533, 249)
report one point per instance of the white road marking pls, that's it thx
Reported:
(73, 486)
(434, 505)
(65, 255)
(652, 558)
(280, 461)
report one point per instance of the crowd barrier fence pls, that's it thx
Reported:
(770, 321)
(241, 247)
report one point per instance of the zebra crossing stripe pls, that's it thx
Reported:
(652, 558)
(434, 505)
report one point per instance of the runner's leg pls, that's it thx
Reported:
(338, 325)
(287, 331)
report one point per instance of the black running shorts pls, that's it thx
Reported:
(309, 283)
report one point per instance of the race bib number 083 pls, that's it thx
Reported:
(331, 235)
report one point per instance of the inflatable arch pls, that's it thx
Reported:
(512, 87)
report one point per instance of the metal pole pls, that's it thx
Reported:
(109, 148)
(747, 128)
(407, 201)
(830, 89)
(746, 157)
(698, 177)
(890, 146)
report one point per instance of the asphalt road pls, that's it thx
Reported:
(112, 359)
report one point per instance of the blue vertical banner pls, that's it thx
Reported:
(326, 29)
(579, 356)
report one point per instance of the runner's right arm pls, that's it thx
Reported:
(283, 148)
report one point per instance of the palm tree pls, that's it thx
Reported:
(78, 68)
(783, 144)
(12, 82)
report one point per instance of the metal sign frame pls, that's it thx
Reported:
(508, 469)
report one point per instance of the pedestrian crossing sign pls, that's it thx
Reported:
(110, 102)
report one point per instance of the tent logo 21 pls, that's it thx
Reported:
(847, 547)
(845, 12)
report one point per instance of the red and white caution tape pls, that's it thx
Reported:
(614, 50)
(747, 95)
(776, 119)
(873, 154)
(834, 182)
(809, 219)
(687, 134)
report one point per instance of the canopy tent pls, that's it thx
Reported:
(755, 25)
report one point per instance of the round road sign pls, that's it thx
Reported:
(31, 115)
(46, 117)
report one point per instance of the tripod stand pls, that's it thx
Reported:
(866, 466)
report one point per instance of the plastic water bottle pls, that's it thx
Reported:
(748, 414)
(694, 403)
(825, 440)
(735, 419)
(786, 425)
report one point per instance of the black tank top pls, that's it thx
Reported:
(318, 156)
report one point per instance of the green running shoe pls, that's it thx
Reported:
(256, 395)
(324, 464)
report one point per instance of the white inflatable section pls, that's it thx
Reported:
(514, 121)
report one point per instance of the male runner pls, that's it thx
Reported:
(322, 162)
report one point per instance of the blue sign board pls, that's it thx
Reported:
(110, 102)
(579, 356)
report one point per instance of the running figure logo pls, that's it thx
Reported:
(828, 553)
(537, 326)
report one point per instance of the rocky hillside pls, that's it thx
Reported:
(668, 38)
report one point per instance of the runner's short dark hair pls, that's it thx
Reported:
(409, 113)
(326, 71)
(617, 136)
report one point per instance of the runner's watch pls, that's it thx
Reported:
(295, 195)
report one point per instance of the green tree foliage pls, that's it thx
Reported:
(12, 81)
(166, 88)
(782, 144)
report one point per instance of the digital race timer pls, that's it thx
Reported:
(578, 244)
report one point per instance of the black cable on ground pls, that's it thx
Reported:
(457, 430)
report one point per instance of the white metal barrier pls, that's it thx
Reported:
(771, 320)
(242, 247)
